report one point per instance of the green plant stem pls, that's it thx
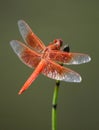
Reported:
(54, 105)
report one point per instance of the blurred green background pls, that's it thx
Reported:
(76, 22)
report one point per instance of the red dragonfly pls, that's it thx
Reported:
(45, 59)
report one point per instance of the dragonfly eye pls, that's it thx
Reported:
(58, 42)
(61, 42)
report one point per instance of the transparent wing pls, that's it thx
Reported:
(29, 37)
(25, 54)
(69, 58)
(57, 72)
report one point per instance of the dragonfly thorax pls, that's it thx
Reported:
(45, 53)
(55, 45)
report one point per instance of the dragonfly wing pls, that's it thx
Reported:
(26, 55)
(29, 37)
(69, 58)
(57, 72)
(79, 58)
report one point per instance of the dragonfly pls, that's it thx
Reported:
(46, 60)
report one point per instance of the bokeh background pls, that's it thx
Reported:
(76, 22)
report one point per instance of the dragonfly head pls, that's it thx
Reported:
(58, 43)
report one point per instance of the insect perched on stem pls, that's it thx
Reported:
(45, 59)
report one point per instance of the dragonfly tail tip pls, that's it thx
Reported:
(20, 92)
